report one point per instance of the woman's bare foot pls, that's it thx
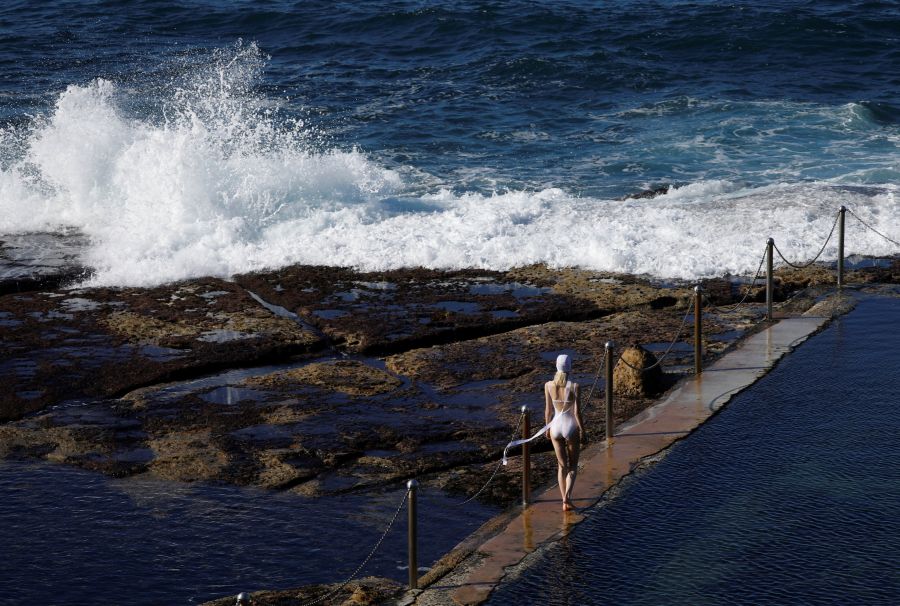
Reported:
(567, 506)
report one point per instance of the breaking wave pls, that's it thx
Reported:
(218, 183)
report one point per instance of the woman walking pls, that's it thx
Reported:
(564, 426)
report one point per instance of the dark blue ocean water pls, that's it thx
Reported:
(231, 135)
(791, 495)
(509, 95)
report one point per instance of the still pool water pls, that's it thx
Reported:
(790, 496)
(76, 538)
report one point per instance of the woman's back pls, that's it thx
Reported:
(562, 398)
(563, 424)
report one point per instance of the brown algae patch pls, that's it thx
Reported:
(349, 377)
(260, 322)
(399, 309)
(187, 456)
(137, 327)
(605, 290)
(252, 323)
(517, 355)
(288, 414)
(282, 468)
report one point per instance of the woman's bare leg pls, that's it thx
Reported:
(562, 459)
(573, 447)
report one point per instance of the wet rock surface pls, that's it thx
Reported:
(87, 373)
(35, 261)
(364, 592)
(92, 343)
(270, 380)
(393, 311)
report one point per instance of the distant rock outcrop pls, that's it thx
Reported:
(648, 193)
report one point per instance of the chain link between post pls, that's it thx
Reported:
(496, 469)
(671, 345)
(390, 525)
(733, 308)
(891, 240)
(594, 384)
(819, 254)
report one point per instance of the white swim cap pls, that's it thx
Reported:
(563, 363)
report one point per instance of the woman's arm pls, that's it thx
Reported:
(578, 418)
(548, 407)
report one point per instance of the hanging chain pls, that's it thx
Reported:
(736, 306)
(819, 254)
(334, 592)
(891, 240)
(596, 379)
(671, 346)
(496, 469)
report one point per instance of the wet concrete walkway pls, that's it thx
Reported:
(603, 466)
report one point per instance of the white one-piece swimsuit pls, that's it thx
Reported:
(564, 424)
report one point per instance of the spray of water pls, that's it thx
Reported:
(192, 194)
(215, 181)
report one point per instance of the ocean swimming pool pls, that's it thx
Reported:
(76, 538)
(790, 495)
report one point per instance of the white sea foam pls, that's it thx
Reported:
(219, 187)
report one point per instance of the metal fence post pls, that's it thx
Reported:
(412, 542)
(770, 278)
(526, 458)
(698, 330)
(840, 264)
(609, 390)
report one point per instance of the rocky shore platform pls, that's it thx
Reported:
(325, 380)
